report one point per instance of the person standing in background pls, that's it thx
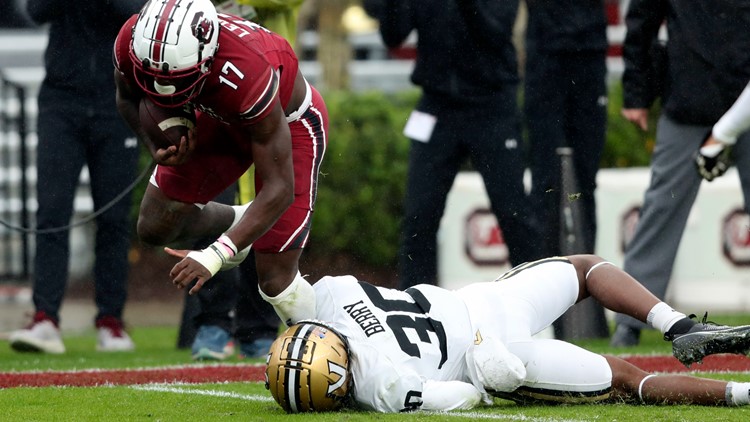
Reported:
(467, 69)
(707, 67)
(78, 124)
(232, 307)
(714, 157)
(565, 105)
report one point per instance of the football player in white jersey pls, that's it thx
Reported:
(433, 349)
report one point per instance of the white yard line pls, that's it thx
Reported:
(515, 417)
(172, 388)
(178, 389)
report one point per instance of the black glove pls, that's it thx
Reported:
(713, 161)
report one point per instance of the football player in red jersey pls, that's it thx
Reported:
(252, 105)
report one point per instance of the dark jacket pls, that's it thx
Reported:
(707, 56)
(78, 58)
(567, 25)
(464, 47)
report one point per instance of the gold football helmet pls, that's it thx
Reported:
(307, 369)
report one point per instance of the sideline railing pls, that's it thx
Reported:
(14, 185)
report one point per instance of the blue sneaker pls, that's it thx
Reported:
(257, 348)
(212, 343)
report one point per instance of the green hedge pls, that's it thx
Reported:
(358, 212)
(361, 186)
(362, 181)
(627, 145)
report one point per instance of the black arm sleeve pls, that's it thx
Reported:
(396, 21)
(43, 11)
(489, 21)
(642, 79)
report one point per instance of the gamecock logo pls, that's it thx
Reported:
(735, 237)
(202, 28)
(627, 226)
(484, 243)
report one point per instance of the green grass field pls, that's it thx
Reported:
(250, 401)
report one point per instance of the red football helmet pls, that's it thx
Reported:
(174, 42)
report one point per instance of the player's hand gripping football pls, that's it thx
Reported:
(174, 155)
(713, 159)
(170, 132)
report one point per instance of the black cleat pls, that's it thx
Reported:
(707, 338)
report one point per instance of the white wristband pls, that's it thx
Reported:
(214, 256)
(225, 241)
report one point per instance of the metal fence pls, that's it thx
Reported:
(19, 87)
(14, 184)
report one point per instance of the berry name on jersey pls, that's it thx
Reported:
(363, 316)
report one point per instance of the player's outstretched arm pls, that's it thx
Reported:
(272, 155)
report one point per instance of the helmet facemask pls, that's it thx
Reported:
(173, 46)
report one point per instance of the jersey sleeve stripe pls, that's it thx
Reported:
(265, 99)
(515, 270)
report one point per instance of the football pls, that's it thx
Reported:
(165, 126)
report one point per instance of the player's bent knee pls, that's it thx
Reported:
(161, 220)
(626, 378)
(153, 232)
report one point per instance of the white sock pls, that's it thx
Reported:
(738, 393)
(295, 303)
(662, 317)
(239, 211)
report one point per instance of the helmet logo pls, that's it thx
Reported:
(203, 30)
(335, 368)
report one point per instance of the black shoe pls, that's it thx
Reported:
(707, 338)
(625, 336)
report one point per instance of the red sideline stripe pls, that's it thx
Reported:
(254, 373)
(88, 378)
(714, 363)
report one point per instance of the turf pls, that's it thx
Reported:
(250, 401)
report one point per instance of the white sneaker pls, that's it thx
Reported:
(111, 336)
(41, 336)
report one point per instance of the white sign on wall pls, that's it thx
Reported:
(712, 269)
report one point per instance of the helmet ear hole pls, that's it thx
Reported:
(308, 369)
